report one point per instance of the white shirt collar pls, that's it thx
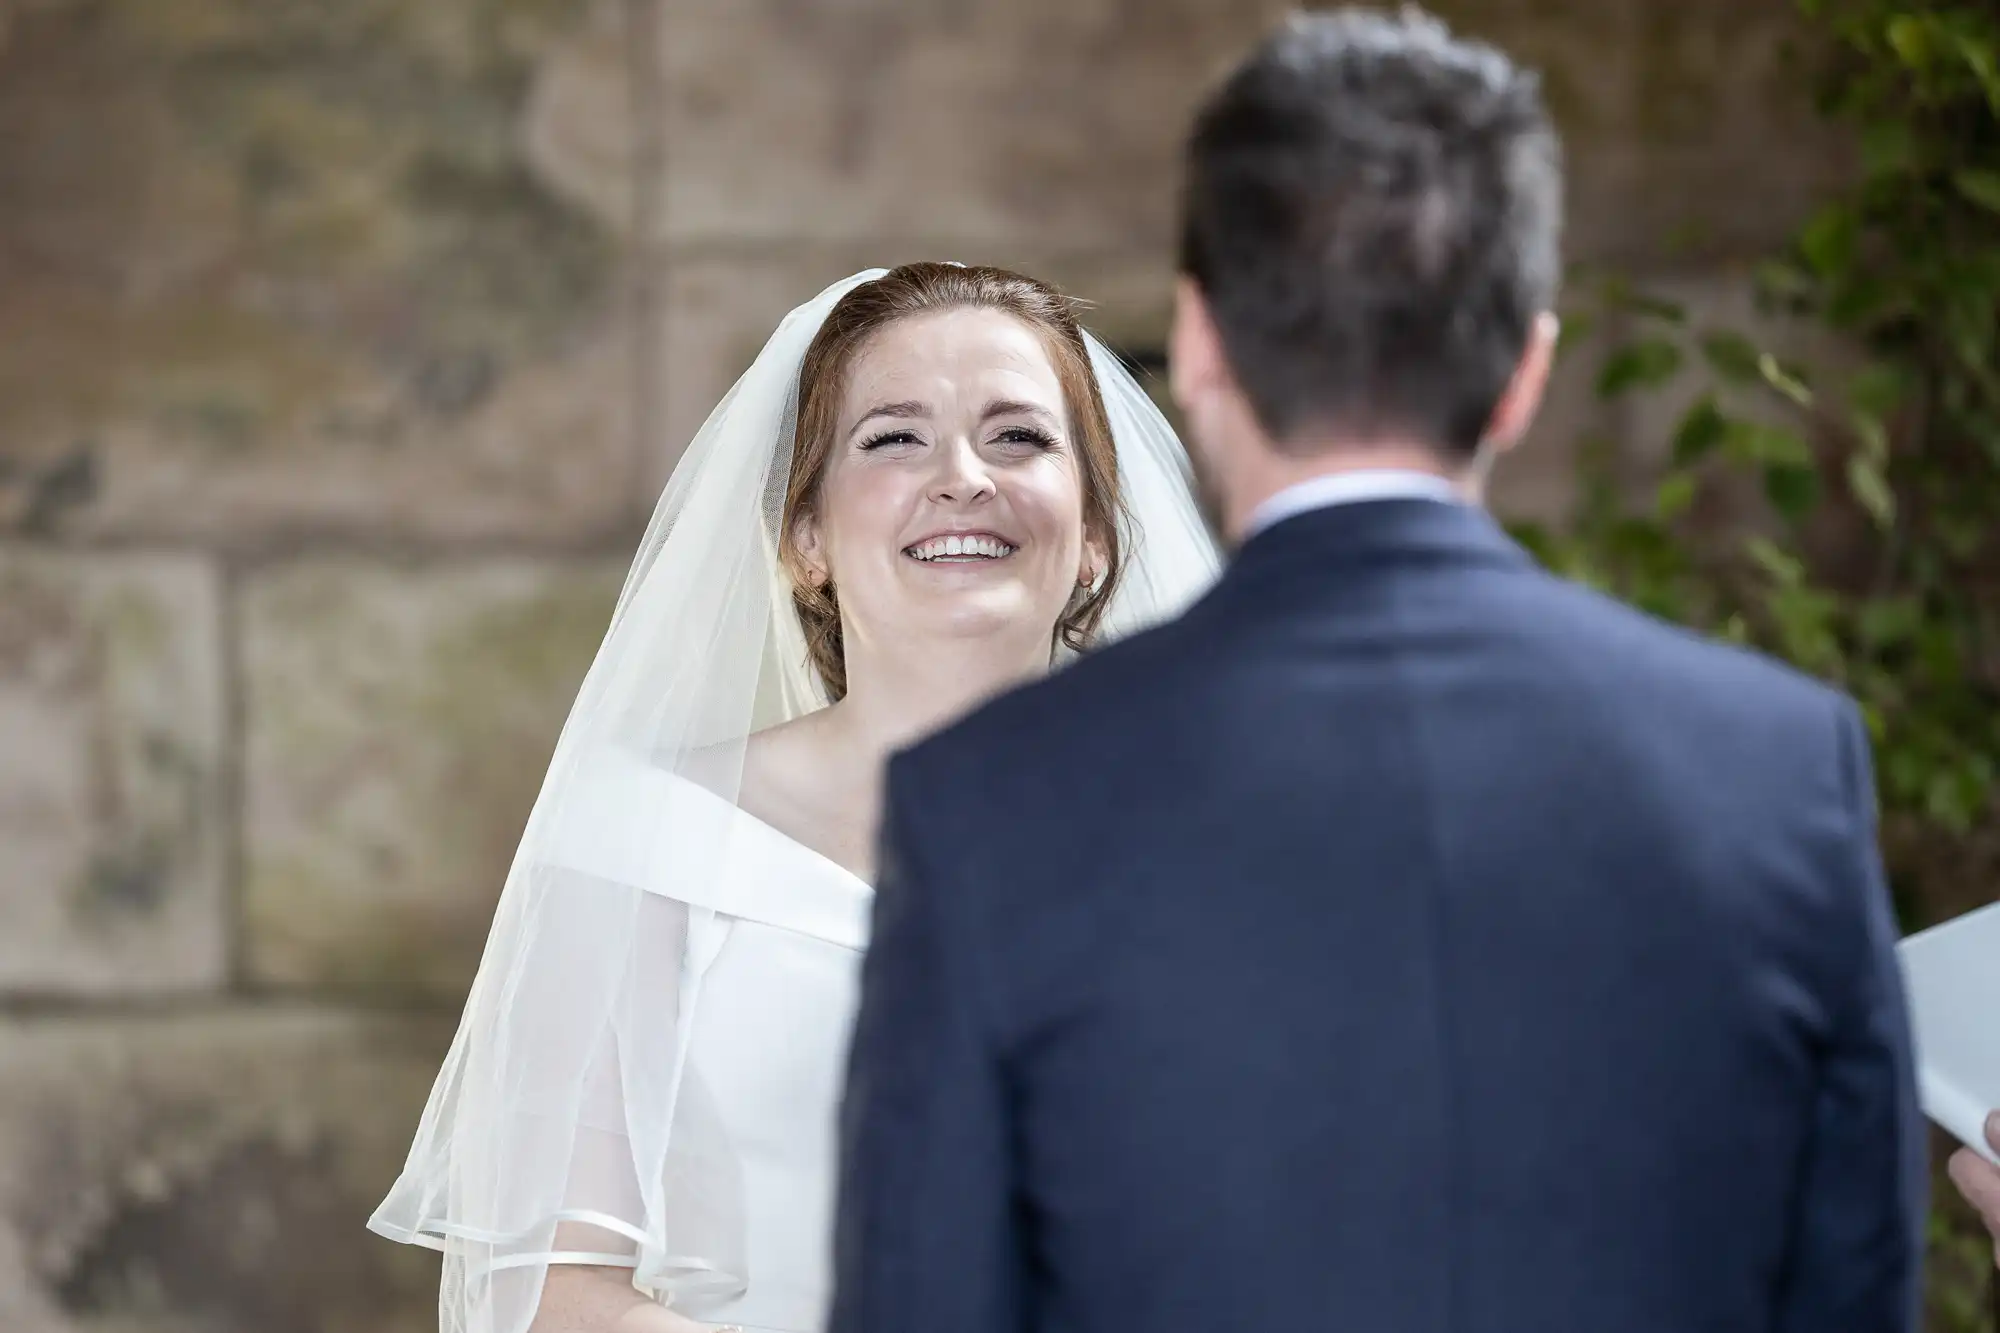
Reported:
(1350, 488)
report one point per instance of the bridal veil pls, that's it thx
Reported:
(565, 1125)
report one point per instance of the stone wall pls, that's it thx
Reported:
(343, 347)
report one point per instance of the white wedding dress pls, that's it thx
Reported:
(750, 944)
(769, 966)
(648, 1069)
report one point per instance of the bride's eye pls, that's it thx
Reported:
(1028, 436)
(889, 437)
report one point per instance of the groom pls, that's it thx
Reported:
(1405, 941)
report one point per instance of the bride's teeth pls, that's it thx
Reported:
(937, 548)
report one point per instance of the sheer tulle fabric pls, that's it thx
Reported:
(587, 1112)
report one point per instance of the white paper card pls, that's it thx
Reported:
(1952, 972)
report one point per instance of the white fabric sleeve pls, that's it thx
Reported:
(583, 1144)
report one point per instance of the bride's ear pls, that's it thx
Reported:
(1095, 561)
(811, 552)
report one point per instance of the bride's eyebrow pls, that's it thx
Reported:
(909, 407)
(1009, 407)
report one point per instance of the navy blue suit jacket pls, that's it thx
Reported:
(1404, 941)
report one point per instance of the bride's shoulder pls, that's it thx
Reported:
(776, 750)
(784, 740)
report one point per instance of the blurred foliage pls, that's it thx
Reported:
(1838, 509)
(1839, 515)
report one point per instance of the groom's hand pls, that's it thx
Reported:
(1979, 1181)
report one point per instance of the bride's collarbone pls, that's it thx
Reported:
(840, 835)
(806, 796)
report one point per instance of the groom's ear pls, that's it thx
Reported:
(1195, 364)
(1522, 398)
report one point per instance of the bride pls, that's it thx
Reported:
(929, 487)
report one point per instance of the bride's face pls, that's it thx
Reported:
(952, 501)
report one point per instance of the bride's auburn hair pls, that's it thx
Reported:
(923, 289)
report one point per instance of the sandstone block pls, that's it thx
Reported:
(269, 270)
(398, 723)
(112, 722)
(1058, 122)
(209, 1171)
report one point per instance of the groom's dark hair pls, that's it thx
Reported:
(1373, 214)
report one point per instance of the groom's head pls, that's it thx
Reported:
(1369, 249)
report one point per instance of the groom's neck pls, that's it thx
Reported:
(1263, 470)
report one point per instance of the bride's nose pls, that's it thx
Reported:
(961, 475)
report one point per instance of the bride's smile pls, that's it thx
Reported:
(958, 548)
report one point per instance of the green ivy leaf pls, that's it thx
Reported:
(1827, 242)
(1783, 567)
(1804, 620)
(1792, 490)
(1784, 281)
(1960, 536)
(1905, 771)
(1766, 445)
(1732, 356)
(1970, 331)
(1910, 39)
(1863, 299)
(1946, 801)
(1939, 650)
(1877, 390)
(1699, 432)
(1984, 63)
(1648, 363)
(1888, 148)
(1888, 622)
(1674, 496)
(1871, 489)
(1980, 186)
(1786, 380)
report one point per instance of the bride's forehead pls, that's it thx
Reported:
(954, 352)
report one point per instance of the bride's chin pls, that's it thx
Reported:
(1005, 616)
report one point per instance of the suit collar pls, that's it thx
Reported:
(1356, 486)
(1374, 531)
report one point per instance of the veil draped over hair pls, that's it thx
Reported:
(567, 1100)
